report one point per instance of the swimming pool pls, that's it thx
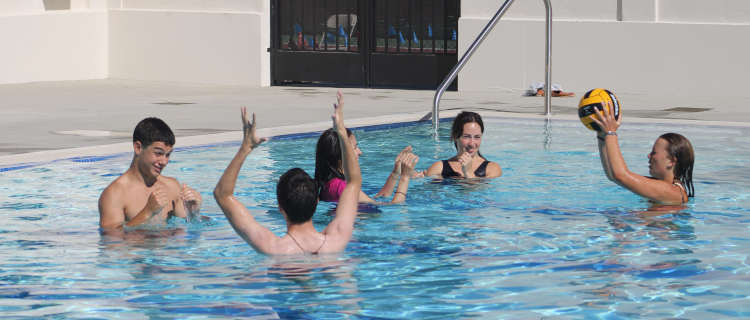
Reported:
(551, 237)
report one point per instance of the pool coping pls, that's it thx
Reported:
(109, 151)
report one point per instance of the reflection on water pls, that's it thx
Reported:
(552, 237)
(657, 221)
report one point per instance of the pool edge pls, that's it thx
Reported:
(109, 151)
(104, 152)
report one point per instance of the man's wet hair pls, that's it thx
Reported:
(150, 130)
(297, 194)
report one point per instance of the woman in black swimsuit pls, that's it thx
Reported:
(466, 134)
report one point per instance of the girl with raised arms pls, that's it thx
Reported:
(330, 177)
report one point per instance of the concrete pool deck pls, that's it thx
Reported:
(46, 121)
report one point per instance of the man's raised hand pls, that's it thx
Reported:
(250, 140)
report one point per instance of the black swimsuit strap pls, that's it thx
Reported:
(481, 171)
(448, 171)
(303, 249)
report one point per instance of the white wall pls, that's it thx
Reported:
(200, 41)
(15, 7)
(246, 6)
(705, 11)
(690, 47)
(53, 46)
(682, 11)
(638, 55)
(198, 47)
(237, 35)
(534, 9)
(637, 10)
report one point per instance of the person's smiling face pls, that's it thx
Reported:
(154, 158)
(470, 139)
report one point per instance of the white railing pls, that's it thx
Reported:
(482, 35)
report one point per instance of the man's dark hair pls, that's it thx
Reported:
(153, 129)
(297, 194)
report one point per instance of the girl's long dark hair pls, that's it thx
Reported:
(328, 158)
(680, 148)
(457, 128)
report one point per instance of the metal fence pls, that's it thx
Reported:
(416, 26)
(319, 25)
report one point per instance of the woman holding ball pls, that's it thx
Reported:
(670, 162)
(466, 135)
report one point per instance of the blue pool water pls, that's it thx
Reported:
(552, 238)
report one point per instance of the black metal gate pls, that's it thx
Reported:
(365, 42)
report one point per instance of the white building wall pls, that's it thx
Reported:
(197, 47)
(669, 47)
(637, 10)
(534, 9)
(53, 46)
(245, 6)
(683, 47)
(199, 41)
(679, 11)
(705, 11)
(15, 7)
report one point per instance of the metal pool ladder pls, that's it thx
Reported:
(461, 62)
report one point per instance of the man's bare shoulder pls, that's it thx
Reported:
(115, 189)
(170, 183)
(112, 201)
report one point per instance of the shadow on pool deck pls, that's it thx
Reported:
(69, 114)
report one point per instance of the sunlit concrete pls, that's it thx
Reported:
(46, 116)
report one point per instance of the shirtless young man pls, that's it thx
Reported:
(297, 194)
(141, 194)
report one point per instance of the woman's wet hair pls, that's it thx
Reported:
(297, 194)
(679, 147)
(328, 158)
(153, 129)
(457, 129)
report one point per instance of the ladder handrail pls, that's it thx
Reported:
(548, 62)
(482, 35)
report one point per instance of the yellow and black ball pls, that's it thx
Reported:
(595, 98)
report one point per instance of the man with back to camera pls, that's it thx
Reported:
(297, 194)
(142, 195)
